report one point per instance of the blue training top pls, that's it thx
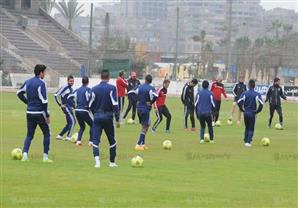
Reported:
(82, 97)
(146, 96)
(61, 96)
(104, 103)
(204, 102)
(37, 96)
(249, 100)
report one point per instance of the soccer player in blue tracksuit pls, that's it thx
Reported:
(146, 96)
(82, 97)
(204, 107)
(37, 110)
(248, 103)
(67, 105)
(104, 106)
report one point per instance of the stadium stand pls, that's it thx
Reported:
(77, 48)
(40, 39)
(9, 61)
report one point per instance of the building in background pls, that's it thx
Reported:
(153, 23)
(285, 16)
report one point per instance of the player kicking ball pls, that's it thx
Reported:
(248, 105)
(161, 108)
(146, 96)
(204, 106)
(36, 100)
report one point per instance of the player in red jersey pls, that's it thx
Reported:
(217, 89)
(161, 108)
(121, 85)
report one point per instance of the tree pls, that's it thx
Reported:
(259, 58)
(47, 5)
(279, 44)
(243, 47)
(70, 10)
(275, 27)
(287, 28)
(202, 39)
(119, 41)
(208, 56)
(277, 50)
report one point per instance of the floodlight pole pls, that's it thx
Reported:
(90, 40)
(176, 50)
(230, 10)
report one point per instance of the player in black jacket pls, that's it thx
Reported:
(273, 95)
(238, 89)
(133, 82)
(187, 98)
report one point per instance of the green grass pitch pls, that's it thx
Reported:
(224, 174)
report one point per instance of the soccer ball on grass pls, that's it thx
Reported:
(137, 161)
(218, 123)
(16, 154)
(74, 138)
(206, 137)
(278, 126)
(167, 145)
(265, 141)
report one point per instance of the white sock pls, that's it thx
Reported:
(45, 156)
(25, 156)
(97, 159)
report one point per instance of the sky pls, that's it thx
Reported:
(287, 4)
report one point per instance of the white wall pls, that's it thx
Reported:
(1, 72)
(17, 79)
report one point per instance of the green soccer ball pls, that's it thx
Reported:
(16, 154)
(278, 126)
(137, 161)
(206, 137)
(167, 145)
(265, 141)
(74, 137)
